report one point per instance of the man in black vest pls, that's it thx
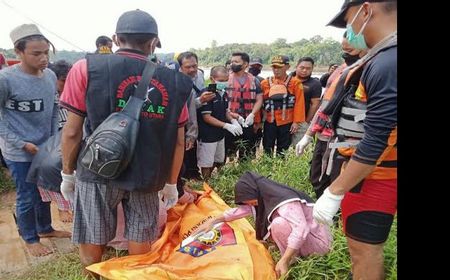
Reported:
(96, 87)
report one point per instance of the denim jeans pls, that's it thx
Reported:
(33, 215)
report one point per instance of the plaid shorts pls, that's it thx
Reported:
(95, 214)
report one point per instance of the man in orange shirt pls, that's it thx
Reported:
(284, 106)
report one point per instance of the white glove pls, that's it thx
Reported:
(236, 123)
(249, 119)
(241, 121)
(68, 186)
(326, 207)
(169, 194)
(235, 130)
(302, 144)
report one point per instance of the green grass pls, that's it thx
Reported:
(62, 266)
(292, 171)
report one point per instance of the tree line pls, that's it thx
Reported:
(323, 51)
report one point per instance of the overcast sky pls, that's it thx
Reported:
(182, 24)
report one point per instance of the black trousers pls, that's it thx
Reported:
(245, 144)
(276, 134)
(259, 136)
(191, 170)
(316, 168)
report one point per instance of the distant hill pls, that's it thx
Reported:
(323, 51)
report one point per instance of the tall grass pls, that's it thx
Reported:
(292, 171)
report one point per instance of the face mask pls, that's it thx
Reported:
(350, 59)
(254, 71)
(357, 40)
(221, 86)
(236, 67)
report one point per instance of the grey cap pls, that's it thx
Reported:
(137, 21)
(23, 31)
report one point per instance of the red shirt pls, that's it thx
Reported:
(2, 60)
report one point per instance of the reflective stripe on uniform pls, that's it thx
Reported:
(358, 114)
(350, 125)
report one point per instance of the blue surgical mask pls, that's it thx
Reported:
(221, 86)
(357, 40)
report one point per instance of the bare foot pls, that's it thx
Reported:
(57, 234)
(37, 249)
(65, 216)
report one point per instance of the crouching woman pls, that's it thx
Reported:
(282, 214)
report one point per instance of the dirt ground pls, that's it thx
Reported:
(14, 258)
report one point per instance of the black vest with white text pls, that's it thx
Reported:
(111, 80)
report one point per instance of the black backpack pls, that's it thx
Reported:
(110, 148)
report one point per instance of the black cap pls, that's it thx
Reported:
(137, 21)
(338, 20)
(256, 60)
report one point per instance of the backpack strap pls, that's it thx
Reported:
(134, 104)
(285, 98)
(196, 89)
(141, 90)
(271, 105)
(286, 83)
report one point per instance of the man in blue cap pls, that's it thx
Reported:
(96, 87)
(363, 114)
